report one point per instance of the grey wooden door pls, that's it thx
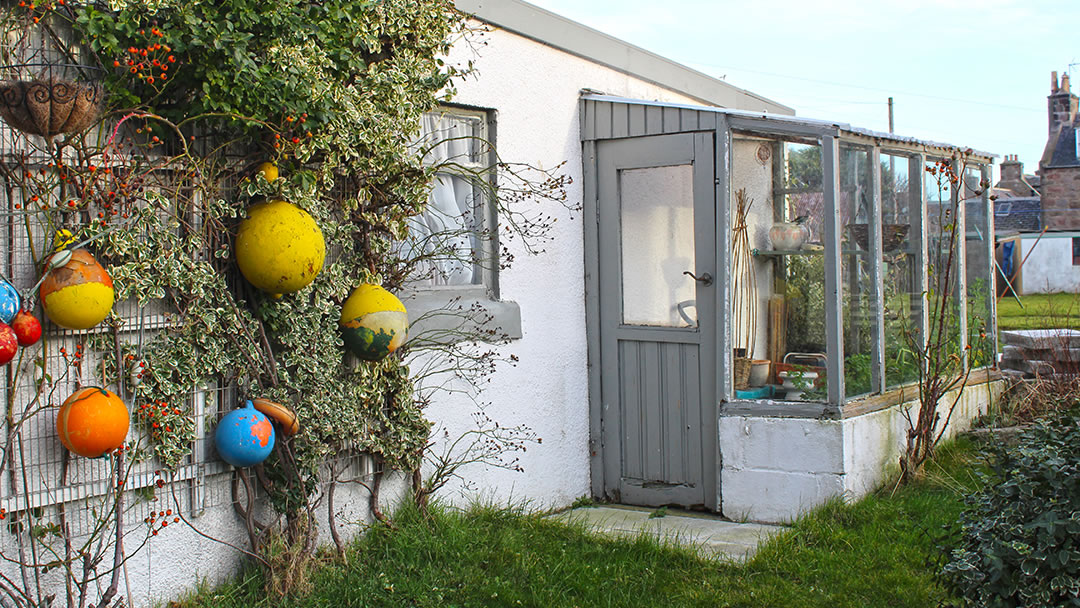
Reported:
(656, 220)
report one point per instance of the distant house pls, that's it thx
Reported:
(1045, 209)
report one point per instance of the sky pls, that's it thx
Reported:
(971, 73)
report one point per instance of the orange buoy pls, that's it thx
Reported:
(92, 421)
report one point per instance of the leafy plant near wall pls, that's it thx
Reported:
(203, 92)
(1016, 540)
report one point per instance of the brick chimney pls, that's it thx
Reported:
(1011, 168)
(1012, 178)
(1061, 103)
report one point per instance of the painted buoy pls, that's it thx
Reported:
(279, 247)
(280, 414)
(77, 293)
(9, 343)
(27, 328)
(373, 322)
(244, 437)
(269, 170)
(10, 301)
(92, 421)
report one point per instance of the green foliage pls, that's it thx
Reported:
(857, 374)
(338, 64)
(1017, 543)
(333, 93)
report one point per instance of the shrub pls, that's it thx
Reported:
(1019, 538)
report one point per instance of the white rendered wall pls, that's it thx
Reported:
(1049, 267)
(775, 469)
(182, 556)
(535, 91)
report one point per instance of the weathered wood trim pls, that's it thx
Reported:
(856, 407)
(592, 316)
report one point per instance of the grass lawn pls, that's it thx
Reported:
(879, 551)
(1040, 311)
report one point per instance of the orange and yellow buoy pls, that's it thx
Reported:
(78, 293)
(92, 421)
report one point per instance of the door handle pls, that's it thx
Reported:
(705, 277)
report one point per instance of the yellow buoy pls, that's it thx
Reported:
(62, 239)
(269, 170)
(279, 247)
(373, 322)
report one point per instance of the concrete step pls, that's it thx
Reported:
(711, 535)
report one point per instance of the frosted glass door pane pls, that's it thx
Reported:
(657, 217)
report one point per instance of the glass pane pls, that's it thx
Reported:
(445, 238)
(778, 300)
(803, 202)
(451, 139)
(898, 267)
(942, 263)
(860, 313)
(657, 221)
(977, 265)
(803, 196)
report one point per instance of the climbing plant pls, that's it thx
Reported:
(201, 93)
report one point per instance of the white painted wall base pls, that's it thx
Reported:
(173, 562)
(775, 469)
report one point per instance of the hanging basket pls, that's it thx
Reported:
(58, 98)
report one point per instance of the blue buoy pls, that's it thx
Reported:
(244, 437)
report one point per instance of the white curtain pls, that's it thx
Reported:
(447, 230)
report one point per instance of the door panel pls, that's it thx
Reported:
(656, 219)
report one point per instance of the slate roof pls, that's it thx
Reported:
(1018, 213)
(1061, 149)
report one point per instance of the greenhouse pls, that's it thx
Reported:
(751, 266)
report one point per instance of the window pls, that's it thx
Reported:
(1076, 250)
(455, 239)
(452, 237)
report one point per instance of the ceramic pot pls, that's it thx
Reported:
(759, 372)
(796, 384)
(788, 236)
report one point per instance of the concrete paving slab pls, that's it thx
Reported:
(711, 535)
(1043, 338)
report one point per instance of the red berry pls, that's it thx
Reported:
(27, 328)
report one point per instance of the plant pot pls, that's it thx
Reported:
(788, 236)
(759, 372)
(796, 383)
(778, 368)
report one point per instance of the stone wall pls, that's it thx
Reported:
(1061, 197)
